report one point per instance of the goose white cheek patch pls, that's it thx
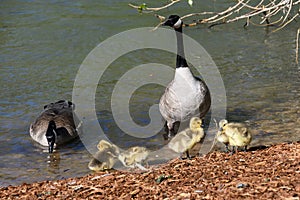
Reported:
(177, 24)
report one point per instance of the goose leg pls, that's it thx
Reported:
(234, 150)
(168, 130)
(174, 129)
(171, 132)
(227, 148)
(187, 156)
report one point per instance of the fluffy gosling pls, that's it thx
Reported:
(221, 136)
(134, 157)
(105, 158)
(234, 134)
(186, 139)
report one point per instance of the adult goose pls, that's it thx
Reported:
(186, 95)
(55, 125)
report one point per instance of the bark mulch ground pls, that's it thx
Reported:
(270, 173)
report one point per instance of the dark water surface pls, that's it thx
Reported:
(43, 44)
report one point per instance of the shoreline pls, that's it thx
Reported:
(272, 173)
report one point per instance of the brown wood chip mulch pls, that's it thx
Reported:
(271, 173)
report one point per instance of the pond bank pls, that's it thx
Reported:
(269, 173)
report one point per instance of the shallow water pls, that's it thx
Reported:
(43, 44)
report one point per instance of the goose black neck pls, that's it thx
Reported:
(180, 60)
(51, 135)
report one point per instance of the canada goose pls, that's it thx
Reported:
(105, 158)
(234, 134)
(55, 125)
(134, 157)
(186, 139)
(186, 95)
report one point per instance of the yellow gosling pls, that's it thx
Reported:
(186, 139)
(221, 136)
(237, 133)
(134, 157)
(105, 158)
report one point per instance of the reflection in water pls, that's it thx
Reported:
(53, 161)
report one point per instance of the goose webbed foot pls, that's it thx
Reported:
(245, 149)
(182, 158)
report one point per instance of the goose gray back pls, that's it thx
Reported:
(186, 95)
(55, 125)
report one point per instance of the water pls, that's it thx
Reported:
(43, 44)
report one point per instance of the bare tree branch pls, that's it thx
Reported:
(277, 13)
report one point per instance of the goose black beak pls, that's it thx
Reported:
(167, 23)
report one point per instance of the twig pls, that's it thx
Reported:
(269, 24)
(155, 9)
(221, 13)
(161, 19)
(197, 14)
(288, 12)
(266, 9)
(281, 27)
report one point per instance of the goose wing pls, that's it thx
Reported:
(62, 116)
(169, 106)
